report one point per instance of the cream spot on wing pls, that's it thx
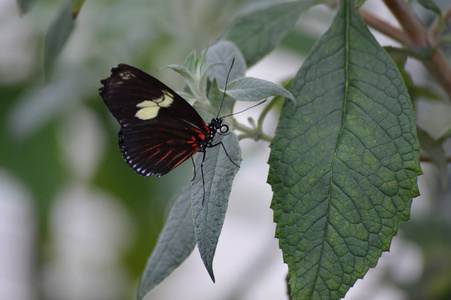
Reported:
(126, 75)
(149, 108)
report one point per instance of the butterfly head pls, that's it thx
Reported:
(216, 125)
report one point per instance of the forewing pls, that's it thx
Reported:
(127, 89)
(159, 129)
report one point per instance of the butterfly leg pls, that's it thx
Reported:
(227, 154)
(194, 168)
(202, 173)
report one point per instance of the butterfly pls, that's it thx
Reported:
(159, 129)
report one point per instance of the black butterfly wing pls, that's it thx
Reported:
(159, 129)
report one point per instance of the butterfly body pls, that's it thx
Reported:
(159, 129)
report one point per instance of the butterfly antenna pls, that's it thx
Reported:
(225, 88)
(245, 109)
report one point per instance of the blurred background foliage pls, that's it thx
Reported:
(58, 141)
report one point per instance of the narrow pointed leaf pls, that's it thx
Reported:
(215, 95)
(187, 74)
(190, 98)
(25, 5)
(174, 245)
(254, 89)
(430, 4)
(208, 213)
(191, 61)
(344, 162)
(57, 36)
(258, 32)
(76, 7)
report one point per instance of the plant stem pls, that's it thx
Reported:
(384, 27)
(415, 31)
(414, 37)
(250, 132)
(419, 40)
(427, 159)
(265, 112)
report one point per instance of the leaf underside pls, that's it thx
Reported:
(344, 162)
(209, 212)
(174, 245)
(253, 89)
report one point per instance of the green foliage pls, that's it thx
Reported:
(34, 161)
(344, 162)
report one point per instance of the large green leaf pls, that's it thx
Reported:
(209, 211)
(259, 31)
(174, 244)
(344, 162)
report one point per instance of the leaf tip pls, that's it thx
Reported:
(209, 268)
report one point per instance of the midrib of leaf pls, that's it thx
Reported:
(204, 231)
(220, 173)
(334, 156)
(344, 161)
(216, 158)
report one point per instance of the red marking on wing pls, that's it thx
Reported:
(200, 134)
(206, 127)
(188, 155)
